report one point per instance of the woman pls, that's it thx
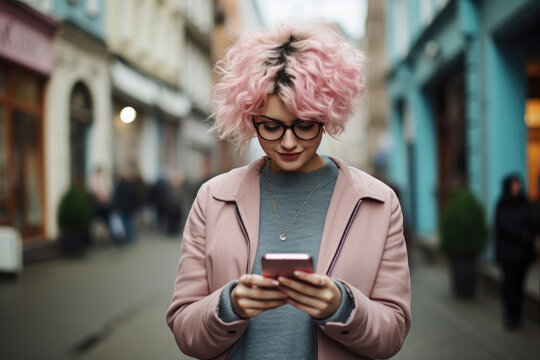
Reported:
(288, 87)
(514, 246)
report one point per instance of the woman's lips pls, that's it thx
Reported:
(287, 156)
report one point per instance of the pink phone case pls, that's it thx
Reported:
(275, 264)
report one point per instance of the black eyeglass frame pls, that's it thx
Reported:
(286, 127)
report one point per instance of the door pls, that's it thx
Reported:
(451, 140)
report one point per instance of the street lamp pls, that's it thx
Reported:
(128, 115)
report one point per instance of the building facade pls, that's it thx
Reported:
(233, 17)
(146, 43)
(464, 91)
(199, 150)
(376, 97)
(78, 132)
(69, 69)
(26, 65)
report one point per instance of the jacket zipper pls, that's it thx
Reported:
(333, 263)
(244, 231)
(343, 237)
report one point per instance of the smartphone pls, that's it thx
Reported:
(284, 264)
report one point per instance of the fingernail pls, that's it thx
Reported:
(297, 273)
(281, 278)
(275, 282)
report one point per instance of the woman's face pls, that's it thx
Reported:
(289, 154)
(515, 188)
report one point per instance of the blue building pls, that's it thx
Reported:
(88, 15)
(464, 89)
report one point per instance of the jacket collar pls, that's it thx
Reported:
(359, 184)
(242, 183)
(245, 182)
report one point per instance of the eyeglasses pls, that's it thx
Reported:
(271, 129)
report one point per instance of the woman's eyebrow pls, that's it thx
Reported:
(280, 121)
(269, 118)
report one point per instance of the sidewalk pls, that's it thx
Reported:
(446, 328)
(60, 307)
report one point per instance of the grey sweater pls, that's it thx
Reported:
(287, 332)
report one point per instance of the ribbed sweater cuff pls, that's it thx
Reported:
(225, 310)
(344, 310)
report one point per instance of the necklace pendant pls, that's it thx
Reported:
(282, 237)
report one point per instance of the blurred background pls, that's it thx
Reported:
(104, 116)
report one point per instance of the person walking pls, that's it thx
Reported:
(514, 246)
(288, 87)
(100, 189)
(128, 199)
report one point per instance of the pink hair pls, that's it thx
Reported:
(315, 71)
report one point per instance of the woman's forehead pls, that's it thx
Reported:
(276, 109)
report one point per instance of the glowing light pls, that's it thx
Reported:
(128, 114)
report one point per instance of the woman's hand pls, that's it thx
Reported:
(255, 294)
(315, 294)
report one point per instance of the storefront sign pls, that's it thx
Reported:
(25, 45)
(149, 91)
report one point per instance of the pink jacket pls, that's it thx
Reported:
(362, 246)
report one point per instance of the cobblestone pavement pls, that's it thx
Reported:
(111, 305)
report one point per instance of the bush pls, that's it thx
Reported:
(463, 226)
(74, 210)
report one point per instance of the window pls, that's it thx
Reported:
(21, 151)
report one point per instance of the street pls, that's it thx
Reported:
(111, 305)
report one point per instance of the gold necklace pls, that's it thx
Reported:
(283, 233)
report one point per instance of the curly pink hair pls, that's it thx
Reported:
(317, 74)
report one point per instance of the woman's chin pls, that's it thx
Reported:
(293, 164)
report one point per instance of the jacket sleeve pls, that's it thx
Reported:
(193, 313)
(379, 322)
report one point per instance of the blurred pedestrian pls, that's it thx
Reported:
(158, 198)
(175, 204)
(128, 199)
(514, 246)
(101, 190)
(288, 87)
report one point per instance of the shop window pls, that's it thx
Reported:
(26, 88)
(28, 206)
(21, 151)
(80, 122)
(451, 141)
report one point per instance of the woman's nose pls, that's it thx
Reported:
(288, 141)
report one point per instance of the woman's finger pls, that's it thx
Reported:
(315, 313)
(258, 280)
(247, 304)
(259, 293)
(301, 286)
(312, 278)
(309, 301)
